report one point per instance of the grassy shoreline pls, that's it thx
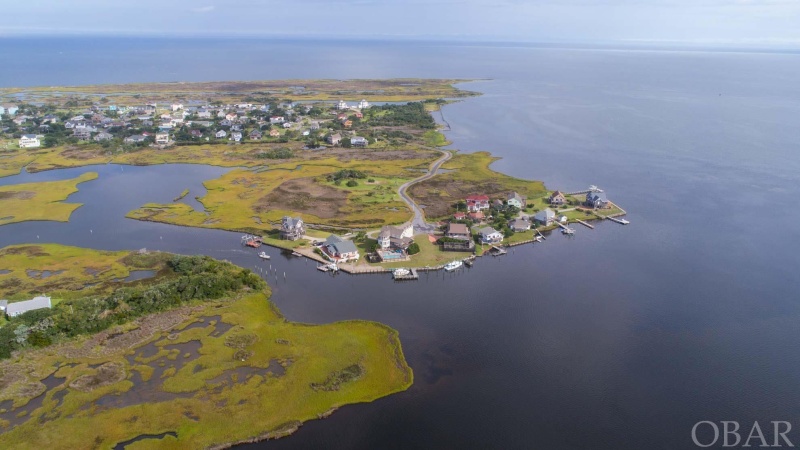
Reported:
(44, 201)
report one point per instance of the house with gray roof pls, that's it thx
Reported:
(292, 228)
(17, 308)
(519, 225)
(3, 305)
(490, 236)
(545, 217)
(340, 250)
(515, 200)
(596, 199)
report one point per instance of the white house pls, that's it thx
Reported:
(236, 136)
(29, 141)
(396, 236)
(17, 308)
(162, 138)
(221, 134)
(358, 141)
(363, 104)
(491, 236)
(177, 106)
(342, 105)
(8, 109)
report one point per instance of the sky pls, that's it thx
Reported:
(765, 23)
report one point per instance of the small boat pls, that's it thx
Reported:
(401, 273)
(453, 265)
(263, 255)
(296, 254)
(568, 231)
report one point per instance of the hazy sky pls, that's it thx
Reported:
(756, 22)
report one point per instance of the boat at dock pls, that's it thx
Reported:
(400, 272)
(252, 241)
(453, 265)
(263, 255)
(404, 274)
(568, 231)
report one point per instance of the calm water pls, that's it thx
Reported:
(622, 337)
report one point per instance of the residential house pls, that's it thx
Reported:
(314, 126)
(358, 141)
(596, 199)
(196, 133)
(103, 136)
(334, 139)
(203, 113)
(359, 115)
(477, 203)
(221, 134)
(162, 138)
(8, 109)
(342, 105)
(276, 120)
(459, 216)
(545, 217)
(232, 116)
(363, 104)
(557, 198)
(399, 237)
(225, 123)
(3, 305)
(515, 200)
(82, 133)
(236, 136)
(135, 139)
(287, 125)
(340, 250)
(17, 308)
(177, 106)
(255, 135)
(274, 133)
(519, 225)
(476, 216)
(29, 141)
(347, 123)
(490, 236)
(457, 231)
(236, 127)
(50, 118)
(292, 228)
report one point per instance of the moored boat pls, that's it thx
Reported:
(453, 265)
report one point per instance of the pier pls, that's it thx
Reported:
(412, 275)
(619, 221)
(497, 251)
(565, 229)
(587, 224)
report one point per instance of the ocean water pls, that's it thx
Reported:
(621, 337)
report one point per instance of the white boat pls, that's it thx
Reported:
(453, 265)
(568, 231)
(263, 255)
(401, 272)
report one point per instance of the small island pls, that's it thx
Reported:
(134, 346)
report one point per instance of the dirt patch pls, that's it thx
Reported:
(303, 195)
(79, 154)
(17, 195)
(438, 194)
(106, 375)
(30, 250)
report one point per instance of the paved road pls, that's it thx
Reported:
(420, 225)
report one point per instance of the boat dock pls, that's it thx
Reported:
(497, 251)
(587, 224)
(565, 229)
(412, 275)
(619, 221)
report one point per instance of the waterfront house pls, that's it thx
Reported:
(545, 217)
(334, 139)
(457, 231)
(519, 225)
(340, 250)
(82, 133)
(236, 136)
(490, 236)
(363, 104)
(557, 198)
(477, 203)
(255, 135)
(292, 228)
(29, 141)
(399, 237)
(220, 134)
(274, 133)
(17, 308)
(3, 305)
(358, 141)
(342, 105)
(515, 200)
(162, 138)
(595, 199)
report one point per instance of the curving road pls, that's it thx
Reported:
(420, 225)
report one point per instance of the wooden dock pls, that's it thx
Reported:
(497, 251)
(619, 221)
(587, 224)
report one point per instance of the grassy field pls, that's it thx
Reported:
(470, 174)
(212, 373)
(388, 90)
(254, 200)
(40, 201)
(67, 272)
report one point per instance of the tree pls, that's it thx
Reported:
(413, 249)
(50, 141)
(352, 183)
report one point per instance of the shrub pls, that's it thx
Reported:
(352, 183)
(413, 249)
